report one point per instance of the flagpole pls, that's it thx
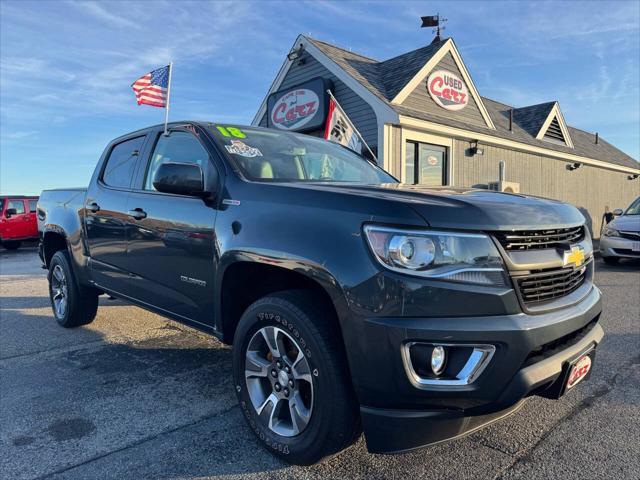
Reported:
(354, 127)
(166, 109)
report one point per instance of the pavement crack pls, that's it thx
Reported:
(585, 403)
(136, 443)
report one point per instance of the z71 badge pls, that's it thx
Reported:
(240, 148)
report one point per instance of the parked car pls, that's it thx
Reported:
(352, 301)
(17, 220)
(621, 237)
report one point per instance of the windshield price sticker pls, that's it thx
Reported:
(231, 132)
(238, 147)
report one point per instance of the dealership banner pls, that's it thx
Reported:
(300, 108)
(339, 128)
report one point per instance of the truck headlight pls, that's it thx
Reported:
(452, 256)
(611, 232)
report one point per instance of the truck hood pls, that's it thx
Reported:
(468, 208)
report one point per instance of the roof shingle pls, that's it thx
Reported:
(387, 78)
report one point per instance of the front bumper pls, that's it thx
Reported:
(531, 351)
(618, 247)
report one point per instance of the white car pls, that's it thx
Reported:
(621, 237)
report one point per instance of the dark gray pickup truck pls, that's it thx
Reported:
(352, 302)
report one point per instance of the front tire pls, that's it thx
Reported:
(11, 244)
(292, 380)
(72, 305)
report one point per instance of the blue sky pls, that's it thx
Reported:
(66, 66)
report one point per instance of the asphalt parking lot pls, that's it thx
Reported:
(136, 396)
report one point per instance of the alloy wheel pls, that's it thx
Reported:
(279, 381)
(59, 292)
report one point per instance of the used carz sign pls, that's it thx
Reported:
(300, 108)
(447, 90)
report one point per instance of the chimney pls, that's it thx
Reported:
(511, 119)
(596, 138)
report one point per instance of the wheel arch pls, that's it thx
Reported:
(53, 241)
(244, 281)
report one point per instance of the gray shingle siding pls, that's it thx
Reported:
(359, 111)
(420, 99)
(385, 79)
(531, 118)
(591, 189)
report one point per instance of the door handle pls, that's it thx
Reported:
(93, 207)
(137, 213)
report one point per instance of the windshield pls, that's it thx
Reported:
(268, 155)
(634, 209)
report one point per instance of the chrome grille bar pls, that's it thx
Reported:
(539, 239)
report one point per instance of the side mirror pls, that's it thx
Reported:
(9, 212)
(617, 212)
(181, 179)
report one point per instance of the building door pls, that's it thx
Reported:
(425, 164)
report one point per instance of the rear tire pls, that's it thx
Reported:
(307, 345)
(11, 244)
(72, 305)
(611, 260)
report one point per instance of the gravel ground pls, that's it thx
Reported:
(134, 395)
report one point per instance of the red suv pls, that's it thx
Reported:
(18, 220)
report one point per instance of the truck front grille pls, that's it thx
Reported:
(542, 285)
(538, 239)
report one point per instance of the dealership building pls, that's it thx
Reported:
(427, 124)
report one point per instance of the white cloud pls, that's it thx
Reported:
(19, 135)
(96, 10)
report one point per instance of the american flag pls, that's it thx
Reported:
(151, 89)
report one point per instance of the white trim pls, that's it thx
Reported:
(491, 140)
(282, 73)
(555, 113)
(387, 153)
(384, 113)
(448, 47)
(421, 137)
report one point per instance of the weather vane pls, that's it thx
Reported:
(434, 21)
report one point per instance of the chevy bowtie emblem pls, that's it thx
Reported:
(574, 256)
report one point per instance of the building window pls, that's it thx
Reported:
(425, 164)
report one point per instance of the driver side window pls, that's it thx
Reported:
(18, 205)
(177, 147)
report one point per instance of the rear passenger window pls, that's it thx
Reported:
(121, 164)
(18, 205)
(32, 206)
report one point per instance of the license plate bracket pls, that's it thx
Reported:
(635, 247)
(562, 385)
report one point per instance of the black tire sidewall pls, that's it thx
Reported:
(308, 446)
(61, 258)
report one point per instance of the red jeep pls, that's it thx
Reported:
(18, 220)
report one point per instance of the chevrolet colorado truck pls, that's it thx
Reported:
(353, 302)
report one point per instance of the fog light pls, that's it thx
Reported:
(438, 358)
